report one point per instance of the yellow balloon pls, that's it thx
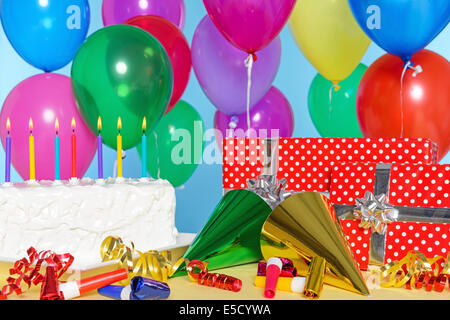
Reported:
(329, 36)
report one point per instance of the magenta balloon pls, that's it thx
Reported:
(119, 11)
(44, 98)
(250, 25)
(221, 71)
(272, 112)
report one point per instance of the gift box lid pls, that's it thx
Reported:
(306, 163)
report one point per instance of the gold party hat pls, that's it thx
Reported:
(305, 227)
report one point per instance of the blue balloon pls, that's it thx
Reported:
(46, 33)
(402, 27)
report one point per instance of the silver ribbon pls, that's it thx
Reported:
(374, 212)
(269, 188)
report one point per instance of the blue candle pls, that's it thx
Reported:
(144, 148)
(8, 152)
(57, 153)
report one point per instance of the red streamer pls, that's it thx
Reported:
(27, 270)
(418, 272)
(198, 271)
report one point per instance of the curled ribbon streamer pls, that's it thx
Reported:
(415, 270)
(374, 212)
(28, 269)
(198, 272)
(269, 188)
(152, 264)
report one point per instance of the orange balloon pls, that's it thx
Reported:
(426, 100)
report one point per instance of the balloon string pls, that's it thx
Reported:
(334, 87)
(232, 125)
(417, 70)
(249, 64)
(115, 164)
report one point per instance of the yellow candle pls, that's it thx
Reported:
(119, 149)
(31, 151)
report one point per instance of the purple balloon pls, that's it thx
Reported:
(272, 112)
(220, 69)
(119, 11)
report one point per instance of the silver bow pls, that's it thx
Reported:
(374, 212)
(269, 189)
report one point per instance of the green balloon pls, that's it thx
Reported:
(175, 147)
(343, 121)
(122, 71)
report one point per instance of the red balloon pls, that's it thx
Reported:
(177, 47)
(426, 100)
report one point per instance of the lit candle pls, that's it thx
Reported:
(8, 152)
(144, 148)
(100, 149)
(119, 149)
(31, 152)
(57, 153)
(74, 150)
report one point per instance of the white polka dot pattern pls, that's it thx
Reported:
(350, 181)
(420, 185)
(306, 163)
(432, 239)
(242, 161)
(359, 241)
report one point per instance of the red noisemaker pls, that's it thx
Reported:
(74, 289)
(273, 271)
(50, 288)
(198, 272)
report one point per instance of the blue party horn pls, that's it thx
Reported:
(139, 289)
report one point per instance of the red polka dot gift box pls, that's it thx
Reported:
(388, 211)
(306, 163)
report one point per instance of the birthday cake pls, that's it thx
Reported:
(76, 216)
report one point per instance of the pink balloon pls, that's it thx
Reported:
(119, 11)
(250, 25)
(272, 112)
(45, 97)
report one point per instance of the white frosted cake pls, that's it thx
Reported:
(75, 217)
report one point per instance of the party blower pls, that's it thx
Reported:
(305, 229)
(231, 235)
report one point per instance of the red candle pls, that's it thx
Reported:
(74, 150)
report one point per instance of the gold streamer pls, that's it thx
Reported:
(412, 269)
(153, 264)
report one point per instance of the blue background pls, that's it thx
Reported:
(198, 197)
